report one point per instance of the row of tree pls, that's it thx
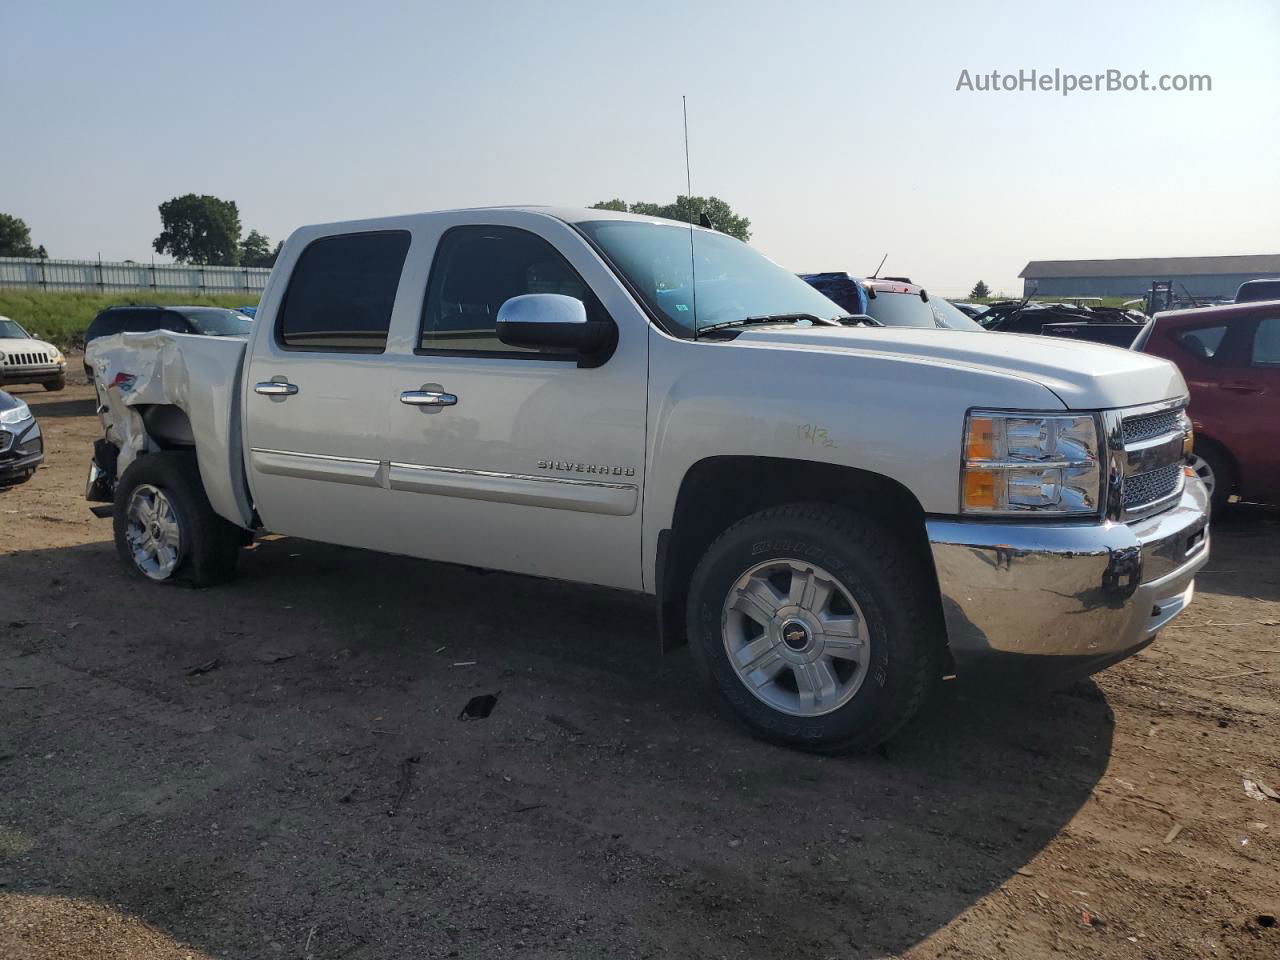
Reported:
(199, 228)
(15, 239)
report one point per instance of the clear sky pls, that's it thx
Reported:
(836, 127)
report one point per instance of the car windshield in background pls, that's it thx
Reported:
(733, 281)
(10, 330)
(217, 322)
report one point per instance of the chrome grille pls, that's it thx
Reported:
(1144, 488)
(1137, 429)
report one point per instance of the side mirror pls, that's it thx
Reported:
(553, 321)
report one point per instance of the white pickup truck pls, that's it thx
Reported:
(833, 514)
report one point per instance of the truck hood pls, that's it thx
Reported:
(25, 345)
(1084, 376)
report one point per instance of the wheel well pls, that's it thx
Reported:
(719, 491)
(1203, 440)
(168, 426)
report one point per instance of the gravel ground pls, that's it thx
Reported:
(276, 768)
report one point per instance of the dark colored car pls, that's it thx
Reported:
(891, 301)
(1252, 290)
(971, 310)
(1230, 358)
(21, 445)
(208, 321)
(1111, 325)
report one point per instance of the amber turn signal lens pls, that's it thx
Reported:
(980, 489)
(980, 444)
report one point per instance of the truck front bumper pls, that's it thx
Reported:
(1068, 599)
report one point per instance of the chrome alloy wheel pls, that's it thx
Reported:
(796, 637)
(153, 532)
(1204, 471)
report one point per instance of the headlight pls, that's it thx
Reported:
(16, 414)
(1015, 463)
(58, 357)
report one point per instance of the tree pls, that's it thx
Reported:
(200, 229)
(255, 250)
(980, 290)
(15, 238)
(687, 210)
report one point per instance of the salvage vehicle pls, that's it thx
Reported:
(1230, 357)
(834, 515)
(26, 359)
(891, 301)
(1252, 290)
(139, 318)
(1111, 325)
(21, 445)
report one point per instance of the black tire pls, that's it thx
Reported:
(210, 546)
(1223, 472)
(54, 386)
(884, 578)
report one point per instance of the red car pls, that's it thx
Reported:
(1230, 357)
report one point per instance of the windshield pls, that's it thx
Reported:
(216, 322)
(9, 330)
(733, 281)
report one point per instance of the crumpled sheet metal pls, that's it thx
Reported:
(198, 375)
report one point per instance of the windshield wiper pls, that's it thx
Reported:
(771, 318)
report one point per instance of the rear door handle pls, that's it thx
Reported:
(1242, 387)
(276, 388)
(428, 398)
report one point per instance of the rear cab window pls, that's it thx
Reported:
(901, 310)
(341, 293)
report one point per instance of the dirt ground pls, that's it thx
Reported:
(276, 768)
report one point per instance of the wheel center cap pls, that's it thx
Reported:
(795, 635)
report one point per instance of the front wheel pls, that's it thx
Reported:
(816, 626)
(53, 386)
(165, 529)
(1216, 473)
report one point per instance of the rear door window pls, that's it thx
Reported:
(342, 292)
(1266, 343)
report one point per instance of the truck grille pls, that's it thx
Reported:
(1144, 488)
(1152, 460)
(1138, 429)
(30, 358)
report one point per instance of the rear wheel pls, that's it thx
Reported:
(815, 626)
(1216, 472)
(165, 529)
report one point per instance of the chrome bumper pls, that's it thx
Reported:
(1067, 596)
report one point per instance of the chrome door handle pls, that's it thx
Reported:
(428, 398)
(276, 388)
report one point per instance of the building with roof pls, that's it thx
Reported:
(1202, 276)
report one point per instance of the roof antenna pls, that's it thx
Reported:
(688, 185)
(876, 275)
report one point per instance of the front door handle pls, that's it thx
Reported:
(276, 388)
(428, 398)
(1240, 386)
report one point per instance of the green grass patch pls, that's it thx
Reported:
(62, 318)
